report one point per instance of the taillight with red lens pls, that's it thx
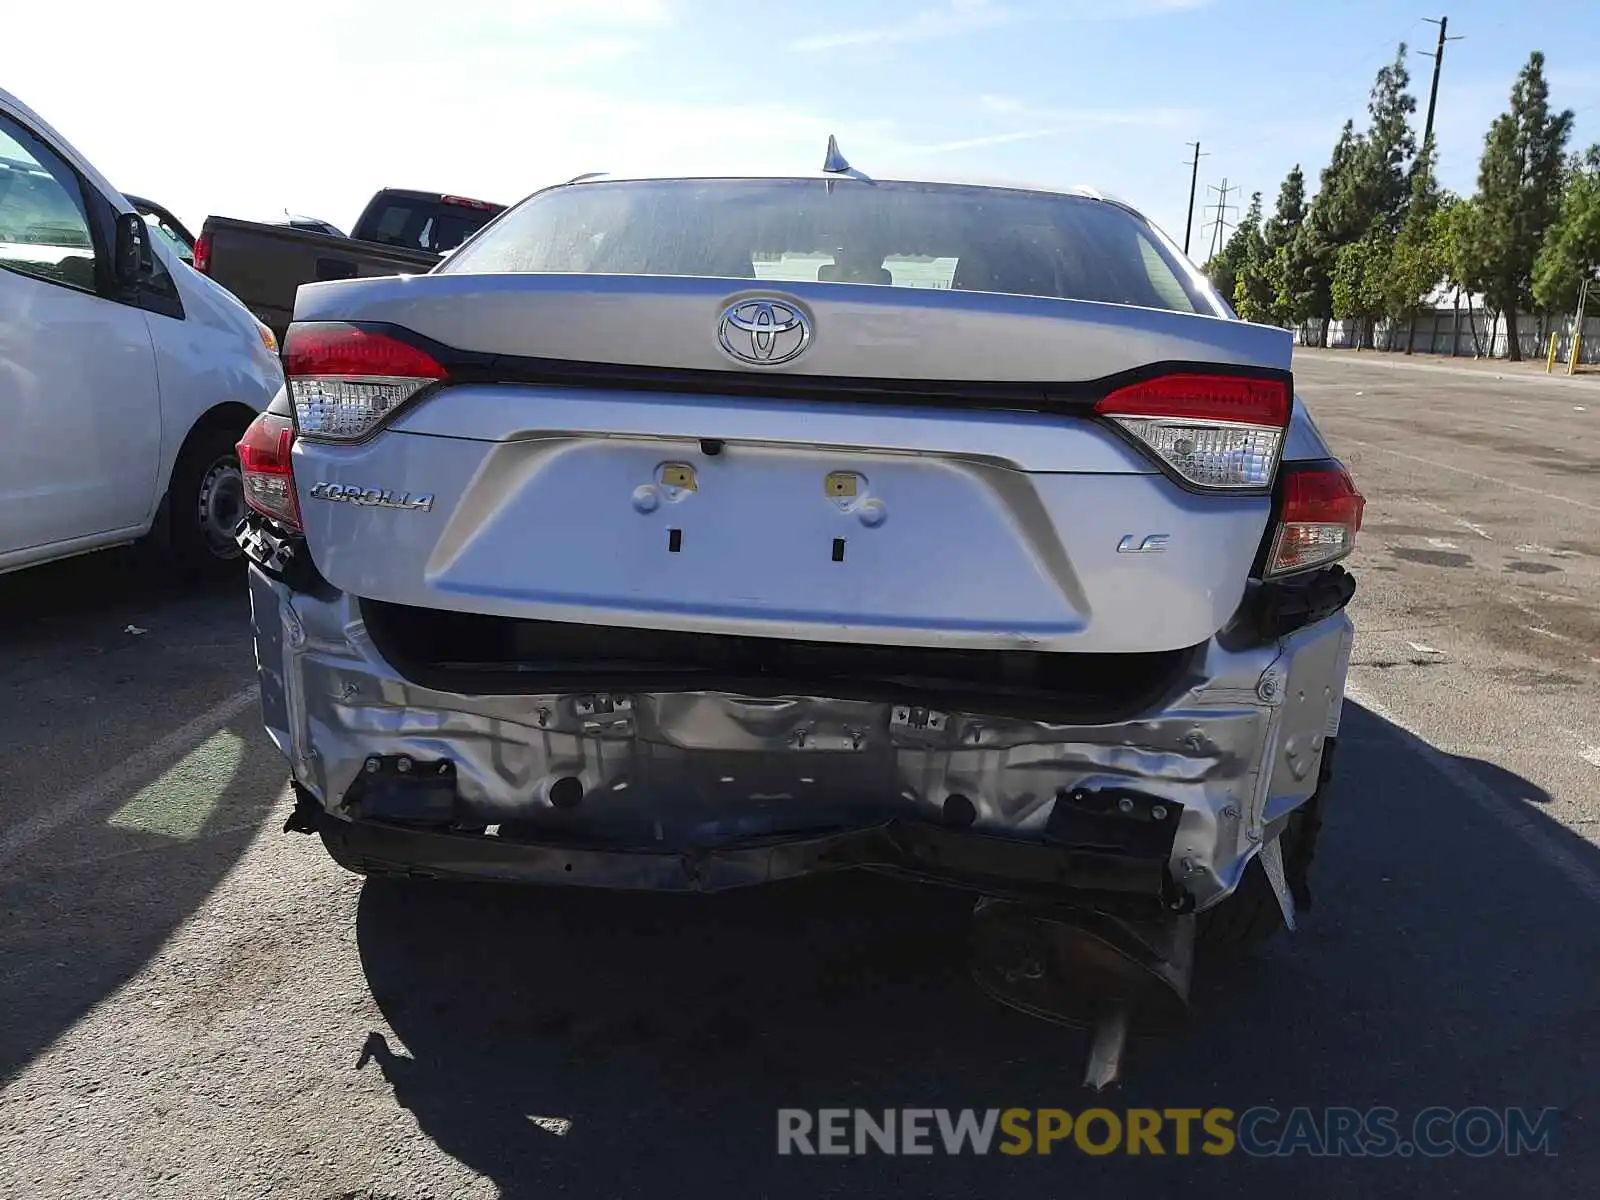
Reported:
(1319, 521)
(264, 460)
(346, 381)
(1215, 431)
(202, 254)
(467, 202)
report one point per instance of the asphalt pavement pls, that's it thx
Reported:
(195, 1004)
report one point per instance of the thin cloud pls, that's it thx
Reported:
(1057, 122)
(973, 143)
(1061, 120)
(956, 18)
(1001, 104)
(1577, 79)
(513, 103)
(583, 12)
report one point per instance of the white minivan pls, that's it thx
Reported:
(126, 377)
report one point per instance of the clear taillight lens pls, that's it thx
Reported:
(346, 381)
(347, 409)
(1215, 431)
(1319, 521)
(268, 469)
(1219, 456)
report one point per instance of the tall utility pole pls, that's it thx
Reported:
(1222, 206)
(1438, 62)
(1194, 178)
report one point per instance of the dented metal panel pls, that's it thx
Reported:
(1237, 748)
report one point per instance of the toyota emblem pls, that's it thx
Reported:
(763, 332)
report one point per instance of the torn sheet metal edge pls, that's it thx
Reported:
(1272, 864)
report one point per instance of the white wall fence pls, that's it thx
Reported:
(1443, 331)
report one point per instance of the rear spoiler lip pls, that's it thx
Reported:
(1075, 398)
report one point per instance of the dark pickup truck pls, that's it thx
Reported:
(400, 232)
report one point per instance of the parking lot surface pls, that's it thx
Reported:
(198, 1005)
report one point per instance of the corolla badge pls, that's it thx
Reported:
(373, 497)
(763, 331)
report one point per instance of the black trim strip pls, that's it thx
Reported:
(996, 866)
(474, 654)
(1064, 398)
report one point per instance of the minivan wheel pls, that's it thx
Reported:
(205, 503)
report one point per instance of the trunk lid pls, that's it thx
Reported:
(861, 332)
(927, 473)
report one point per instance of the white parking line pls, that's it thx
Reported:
(1508, 812)
(125, 776)
(1487, 376)
(1439, 508)
(1444, 466)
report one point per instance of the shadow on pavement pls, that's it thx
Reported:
(97, 586)
(1445, 964)
(85, 905)
(84, 909)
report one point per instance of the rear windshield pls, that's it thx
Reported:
(422, 224)
(840, 231)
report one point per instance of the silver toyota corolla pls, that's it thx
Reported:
(687, 533)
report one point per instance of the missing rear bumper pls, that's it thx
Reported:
(736, 784)
(999, 867)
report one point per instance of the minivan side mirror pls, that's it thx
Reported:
(131, 258)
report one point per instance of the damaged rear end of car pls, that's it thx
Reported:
(690, 559)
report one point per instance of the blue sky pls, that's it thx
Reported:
(310, 105)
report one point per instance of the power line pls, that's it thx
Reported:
(1194, 178)
(1221, 223)
(1438, 62)
(1345, 69)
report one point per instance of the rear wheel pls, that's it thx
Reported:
(333, 843)
(205, 502)
(1244, 921)
(1248, 918)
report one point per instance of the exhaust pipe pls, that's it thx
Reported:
(1085, 968)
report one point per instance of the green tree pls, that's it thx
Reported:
(1519, 185)
(1389, 146)
(1254, 292)
(1362, 199)
(1460, 238)
(1224, 267)
(1458, 232)
(1308, 281)
(1417, 265)
(1571, 248)
(1278, 237)
(1360, 277)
